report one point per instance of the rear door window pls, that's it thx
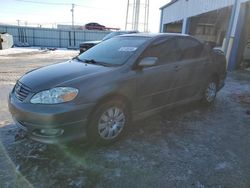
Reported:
(190, 48)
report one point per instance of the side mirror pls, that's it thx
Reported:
(148, 62)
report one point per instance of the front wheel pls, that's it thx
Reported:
(108, 123)
(210, 92)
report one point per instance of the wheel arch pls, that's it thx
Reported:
(110, 97)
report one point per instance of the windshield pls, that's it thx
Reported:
(113, 52)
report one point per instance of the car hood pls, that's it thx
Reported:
(54, 75)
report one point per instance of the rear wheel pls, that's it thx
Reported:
(210, 92)
(108, 123)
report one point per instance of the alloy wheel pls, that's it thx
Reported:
(211, 92)
(111, 123)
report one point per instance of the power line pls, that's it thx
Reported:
(45, 3)
(55, 4)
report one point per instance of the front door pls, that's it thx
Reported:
(157, 85)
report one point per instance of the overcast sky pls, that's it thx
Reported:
(110, 13)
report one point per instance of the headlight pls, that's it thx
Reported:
(55, 95)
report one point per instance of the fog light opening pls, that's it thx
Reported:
(50, 132)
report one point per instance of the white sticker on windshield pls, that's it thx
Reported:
(127, 49)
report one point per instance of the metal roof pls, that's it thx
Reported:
(170, 3)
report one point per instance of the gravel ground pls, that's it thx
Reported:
(190, 146)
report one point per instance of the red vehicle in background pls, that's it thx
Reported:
(95, 26)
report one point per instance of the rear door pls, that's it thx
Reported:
(193, 62)
(157, 85)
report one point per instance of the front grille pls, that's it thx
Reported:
(21, 91)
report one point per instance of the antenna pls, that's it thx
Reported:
(72, 10)
(137, 15)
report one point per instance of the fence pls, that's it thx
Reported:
(45, 37)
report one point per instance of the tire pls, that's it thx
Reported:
(210, 92)
(108, 123)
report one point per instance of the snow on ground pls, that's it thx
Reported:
(15, 62)
(20, 50)
(17, 51)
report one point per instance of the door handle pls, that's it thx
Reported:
(177, 68)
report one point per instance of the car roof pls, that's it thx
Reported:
(154, 35)
(130, 31)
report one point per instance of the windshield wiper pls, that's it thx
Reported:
(78, 59)
(92, 61)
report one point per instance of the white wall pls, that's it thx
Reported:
(188, 8)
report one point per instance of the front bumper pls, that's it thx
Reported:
(50, 124)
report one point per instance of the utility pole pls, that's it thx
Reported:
(137, 13)
(136, 17)
(72, 10)
(18, 22)
(126, 24)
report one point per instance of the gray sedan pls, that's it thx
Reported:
(128, 77)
